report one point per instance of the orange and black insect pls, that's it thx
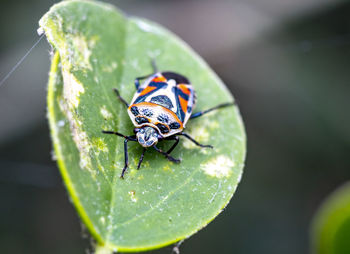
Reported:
(160, 109)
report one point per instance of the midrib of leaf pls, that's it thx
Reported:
(116, 172)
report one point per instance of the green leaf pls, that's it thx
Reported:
(98, 48)
(330, 229)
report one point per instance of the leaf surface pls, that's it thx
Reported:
(96, 49)
(330, 231)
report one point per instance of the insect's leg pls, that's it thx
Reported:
(126, 157)
(126, 140)
(155, 70)
(168, 156)
(198, 114)
(118, 134)
(193, 140)
(120, 98)
(141, 158)
(176, 138)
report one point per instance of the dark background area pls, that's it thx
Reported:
(286, 62)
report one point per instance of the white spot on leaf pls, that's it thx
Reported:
(60, 123)
(220, 166)
(132, 196)
(80, 138)
(72, 89)
(111, 67)
(83, 48)
(99, 146)
(105, 113)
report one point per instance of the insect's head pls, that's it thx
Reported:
(147, 136)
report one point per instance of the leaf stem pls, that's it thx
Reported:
(103, 249)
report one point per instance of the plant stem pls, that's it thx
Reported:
(102, 250)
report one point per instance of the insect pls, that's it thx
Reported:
(159, 110)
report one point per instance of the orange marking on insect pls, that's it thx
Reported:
(183, 104)
(159, 79)
(147, 90)
(184, 89)
(146, 104)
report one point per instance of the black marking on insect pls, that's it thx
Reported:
(159, 110)
(174, 125)
(141, 120)
(163, 128)
(135, 111)
(147, 112)
(162, 100)
(163, 118)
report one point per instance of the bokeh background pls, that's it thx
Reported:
(287, 64)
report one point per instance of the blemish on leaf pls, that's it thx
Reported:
(100, 167)
(72, 89)
(105, 113)
(135, 64)
(167, 167)
(100, 145)
(146, 164)
(107, 126)
(221, 166)
(80, 137)
(132, 194)
(111, 67)
(60, 123)
(82, 53)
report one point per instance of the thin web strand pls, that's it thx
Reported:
(20, 61)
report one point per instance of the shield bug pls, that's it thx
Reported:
(159, 110)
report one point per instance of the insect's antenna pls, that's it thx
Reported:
(20, 61)
(154, 65)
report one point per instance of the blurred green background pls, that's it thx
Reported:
(287, 64)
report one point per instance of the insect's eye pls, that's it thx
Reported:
(142, 131)
(155, 135)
